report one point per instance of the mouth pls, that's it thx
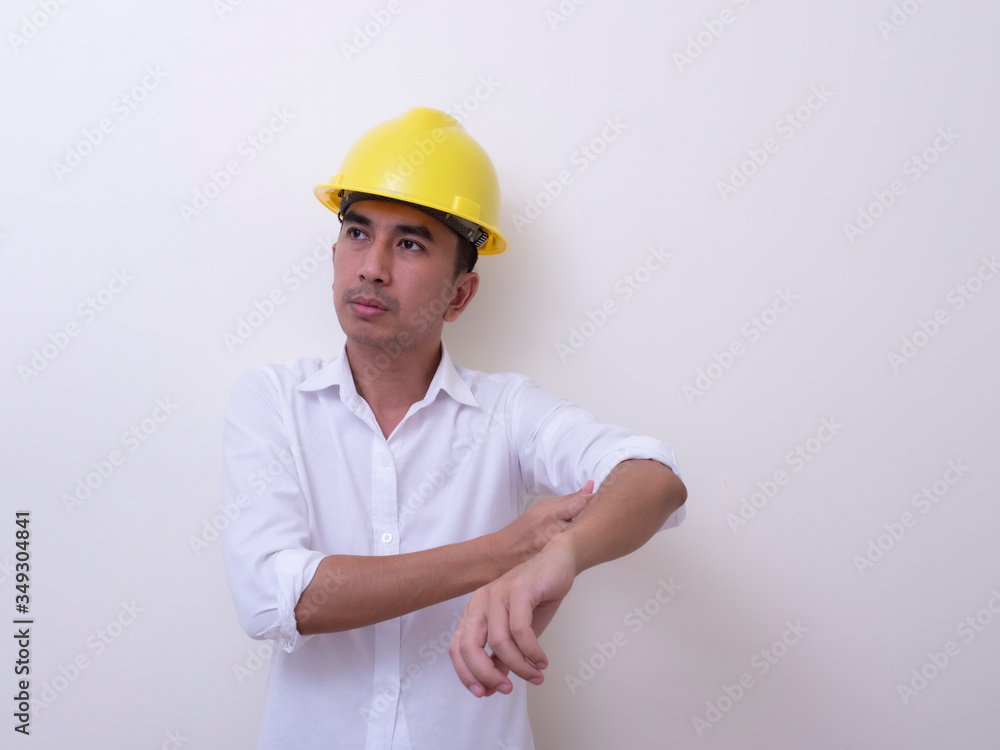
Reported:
(367, 307)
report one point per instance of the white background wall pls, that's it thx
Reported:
(535, 86)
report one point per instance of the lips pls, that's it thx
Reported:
(369, 302)
(368, 307)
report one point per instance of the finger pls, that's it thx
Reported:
(503, 670)
(458, 662)
(506, 648)
(579, 500)
(471, 629)
(505, 652)
(484, 676)
(521, 616)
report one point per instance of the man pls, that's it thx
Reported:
(387, 537)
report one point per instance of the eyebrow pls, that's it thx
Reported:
(418, 229)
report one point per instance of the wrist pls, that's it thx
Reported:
(499, 554)
(563, 545)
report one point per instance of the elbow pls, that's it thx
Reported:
(313, 616)
(305, 618)
(326, 605)
(672, 489)
(675, 491)
(318, 611)
(679, 494)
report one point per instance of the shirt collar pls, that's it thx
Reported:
(337, 371)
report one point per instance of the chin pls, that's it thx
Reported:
(371, 339)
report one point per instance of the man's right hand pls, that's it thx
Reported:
(525, 536)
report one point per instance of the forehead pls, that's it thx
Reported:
(388, 214)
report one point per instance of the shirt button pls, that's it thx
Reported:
(387, 537)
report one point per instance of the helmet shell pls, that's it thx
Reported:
(425, 157)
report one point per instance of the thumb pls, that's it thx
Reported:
(581, 498)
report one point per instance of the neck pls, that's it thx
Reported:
(392, 387)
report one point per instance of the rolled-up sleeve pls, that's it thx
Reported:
(560, 446)
(266, 543)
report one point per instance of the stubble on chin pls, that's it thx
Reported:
(368, 339)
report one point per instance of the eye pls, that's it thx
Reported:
(355, 233)
(410, 245)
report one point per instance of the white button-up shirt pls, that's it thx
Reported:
(310, 473)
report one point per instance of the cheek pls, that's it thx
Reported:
(340, 285)
(433, 306)
(341, 270)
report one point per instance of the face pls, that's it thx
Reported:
(394, 280)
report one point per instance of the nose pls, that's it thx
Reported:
(376, 267)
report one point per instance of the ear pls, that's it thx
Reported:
(466, 286)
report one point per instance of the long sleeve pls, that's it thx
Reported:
(560, 445)
(266, 545)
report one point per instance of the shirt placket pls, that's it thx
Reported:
(385, 527)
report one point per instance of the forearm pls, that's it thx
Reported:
(631, 505)
(351, 591)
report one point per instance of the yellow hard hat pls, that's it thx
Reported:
(425, 157)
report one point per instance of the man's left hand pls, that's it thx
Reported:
(508, 615)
